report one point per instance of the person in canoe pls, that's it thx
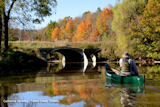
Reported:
(127, 65)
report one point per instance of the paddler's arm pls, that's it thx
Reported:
(116, 71)
(134, 67)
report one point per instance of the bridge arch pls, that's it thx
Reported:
(72, 54)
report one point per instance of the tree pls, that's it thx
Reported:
(0, 28)
(31, 10)
(69, 29)
(49, 29)
(148, 30)
(103, 22)
(85, 15)
(55, 34)
(1, 12)
(83, 31)
(94, 35)
(125, 13)
(13, 34)
(62, 24)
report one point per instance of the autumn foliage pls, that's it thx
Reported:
(75, 91)
(83, 32)
(87, 28)
(104, 20)
(55, 34)
(131, 25)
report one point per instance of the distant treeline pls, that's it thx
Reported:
(132, 25)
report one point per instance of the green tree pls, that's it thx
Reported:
(124, 13)
(85, 14)
(62, 23)
(49, 29)
(148, 30)
(30, 10)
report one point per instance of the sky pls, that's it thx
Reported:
(74, 8)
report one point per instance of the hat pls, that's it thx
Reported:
(125, 54)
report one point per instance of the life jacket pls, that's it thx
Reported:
(125, 65)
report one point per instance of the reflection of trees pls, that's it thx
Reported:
(128, 96)
(151, 72)
(152, 87)
(3, 95)
(124, 95)
(89, 91)
(148, 100)
(151, 97)
(54, 67)
(8, 85)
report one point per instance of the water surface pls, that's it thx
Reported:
(56, 86)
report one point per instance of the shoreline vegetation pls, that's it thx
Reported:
(24, 53)
(17, 58)
(106, 54)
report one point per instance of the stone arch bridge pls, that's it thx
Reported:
(71, 54)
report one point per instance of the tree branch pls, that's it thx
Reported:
(10, 8)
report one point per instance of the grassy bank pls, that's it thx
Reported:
(19, 58)
(47, 44)
(108, 49)
(34, 45)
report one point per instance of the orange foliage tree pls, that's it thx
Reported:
(69, 29)
(87, 28)
(55, 34)
(94, 35)
(83, 31)
(103, 21)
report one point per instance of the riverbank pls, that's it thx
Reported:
(18, 58)
(24, 54)
(108, 51)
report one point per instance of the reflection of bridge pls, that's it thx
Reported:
(71, 54)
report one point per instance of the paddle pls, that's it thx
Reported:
(116, 71)
(111, 69)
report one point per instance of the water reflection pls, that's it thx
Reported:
(86, 92)
(151, 72)
(91, 92)
(127, 97)
(71, 68)
(59, 86)
(39, 86)
(8, 85)
(128, 93)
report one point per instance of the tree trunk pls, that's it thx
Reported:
(6, 34)
(0, 30)
(5, 31)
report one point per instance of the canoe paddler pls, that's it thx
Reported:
(127, 65)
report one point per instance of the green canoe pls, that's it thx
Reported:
(138, 80)
(132, 87)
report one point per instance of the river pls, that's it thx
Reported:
(77, 86)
